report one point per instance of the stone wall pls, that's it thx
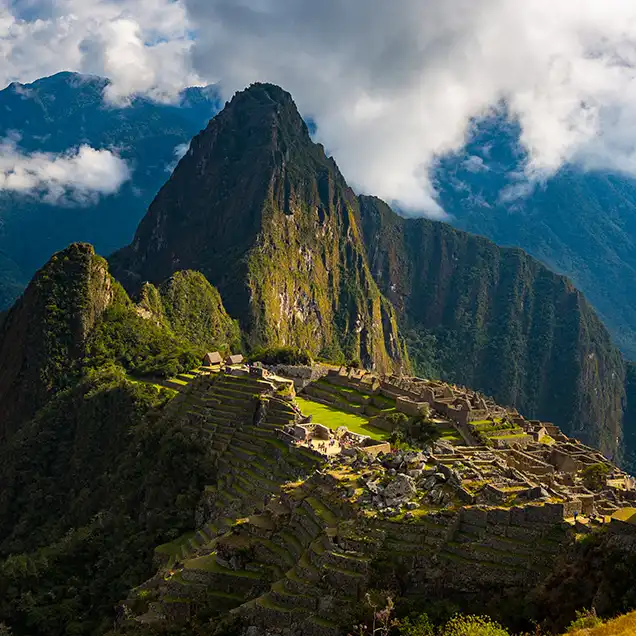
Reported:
(376, 449)
(301, 375)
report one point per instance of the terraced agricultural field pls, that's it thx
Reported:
(333, 418)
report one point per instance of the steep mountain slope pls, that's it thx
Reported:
(504, 323)
(47, 330)
(193, 310)
(59, 113)
(581, 224)
(89, 487)
(268, 218)
(74, 318)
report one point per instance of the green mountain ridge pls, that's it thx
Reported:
(503, 323)
(75, 317)
(298, 258)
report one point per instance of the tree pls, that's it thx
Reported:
(420, 626)
(595, 477)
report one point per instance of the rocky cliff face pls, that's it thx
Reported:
(47, 330)
(259, 209)
(504, 323)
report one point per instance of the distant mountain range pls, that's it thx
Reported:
(62, 112)
(474, 313)
(581, 224)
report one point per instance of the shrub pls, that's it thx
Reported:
(425, 432)
(420, 626)
(398, 420)
(282, 355)
(595, 477)
(585, 619)
(473, 626)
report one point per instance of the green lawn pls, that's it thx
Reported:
(333, 418)
(208, 564)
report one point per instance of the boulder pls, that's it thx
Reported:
(430, 483)
(401, 487)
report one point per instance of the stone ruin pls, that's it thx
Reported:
(503, 459)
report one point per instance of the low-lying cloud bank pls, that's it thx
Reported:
(77, 177)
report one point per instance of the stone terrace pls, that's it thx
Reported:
(288, 537)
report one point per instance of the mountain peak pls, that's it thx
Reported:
(47, 329)
(269, 108)
(264, 93)
(259, 209)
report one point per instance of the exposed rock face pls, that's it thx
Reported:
(47, 329)
(259, 209)
(505, 324)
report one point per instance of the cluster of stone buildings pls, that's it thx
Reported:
(503, 460)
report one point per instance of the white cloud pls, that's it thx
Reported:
(178, 154)
(391, 85)
(143, 46)
(77, 177)
(394, 84)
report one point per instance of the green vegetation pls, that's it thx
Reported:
(266, 249)
(174, 547)
(141, 346)
(595, 476)
(186, 319)
(95, 474)
(499, 322)
(585, 619)
(281, 355)
(194, 310)
(473, 626)
(43, 336)
(90, 487)
(333, 419)
(621, 626)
